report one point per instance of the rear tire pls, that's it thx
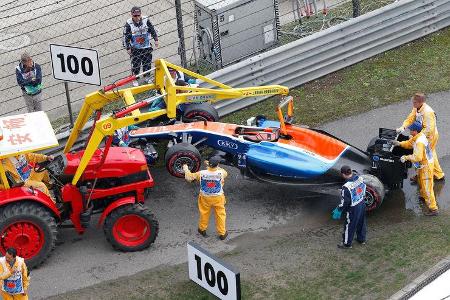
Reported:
(180, 154)
(131, 228)
(29, 228)
(201, 112)
(374, 192)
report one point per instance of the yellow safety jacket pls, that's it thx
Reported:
(9, 166)
(14, 279)
(211, 180)
(422, 154)
(425, 116)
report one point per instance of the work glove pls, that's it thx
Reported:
(336, 214)
(185, 168)
(403, 159)
(400, 129)
(396, 143)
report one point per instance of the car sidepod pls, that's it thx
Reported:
(285, 163)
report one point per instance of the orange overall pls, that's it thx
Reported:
(422, 160)
(15, 280)
(211, 196)
(26, 172)
(427, 117)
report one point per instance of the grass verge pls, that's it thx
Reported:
(301, 265)
(422, 65)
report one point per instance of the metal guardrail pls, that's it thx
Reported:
(335, 48)
(332, 49)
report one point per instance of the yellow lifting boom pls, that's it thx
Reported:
(172, 95)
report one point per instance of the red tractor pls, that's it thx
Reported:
(111, 181)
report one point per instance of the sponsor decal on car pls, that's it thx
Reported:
(227, 144)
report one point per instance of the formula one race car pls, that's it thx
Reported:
(280, 152)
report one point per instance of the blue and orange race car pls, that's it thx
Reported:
(279, 152)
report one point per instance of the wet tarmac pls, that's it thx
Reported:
(252, 207)
(408, 196)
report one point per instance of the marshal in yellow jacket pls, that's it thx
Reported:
(34, 179)
(427, 117)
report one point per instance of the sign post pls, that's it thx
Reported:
(213, 274)
(69, 107)
(76, 65)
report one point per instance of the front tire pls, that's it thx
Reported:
(180, 154)
(131, 228)
(374, 192)
(29, 228)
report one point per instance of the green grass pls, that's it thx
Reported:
(422, 65)
(375, 271)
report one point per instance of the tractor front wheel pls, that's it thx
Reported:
(29, 228)
(131, 228)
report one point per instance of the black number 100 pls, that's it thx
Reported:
(87, 67)
(210, 276)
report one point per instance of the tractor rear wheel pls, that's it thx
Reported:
(131, 228)
(374, 192)
(180, 154)
(201, 112)
(29, 228)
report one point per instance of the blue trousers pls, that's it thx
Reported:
(355, 221)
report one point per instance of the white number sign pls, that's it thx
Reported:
(213, 274)
(75, 64)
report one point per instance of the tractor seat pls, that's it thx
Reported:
(258, 134)
(11, 181)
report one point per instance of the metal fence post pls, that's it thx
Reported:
(181, 46)
(69, 106)
(356, 8)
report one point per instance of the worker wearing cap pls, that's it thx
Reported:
(21, 169)
(211, 196)
(137, 33)
(422, 159)
(425, 115)
(353, 207)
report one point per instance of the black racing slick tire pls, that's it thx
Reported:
(201, 112)
(180, 154)
(131, 228)
(29, 228)
(374, 192)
